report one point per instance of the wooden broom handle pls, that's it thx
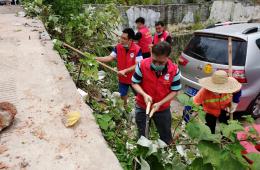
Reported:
(148, 107)
(230, 72)
(81, 53)
(230, 56)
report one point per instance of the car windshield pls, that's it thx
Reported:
(215, 49)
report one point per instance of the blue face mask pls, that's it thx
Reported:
(158, 68)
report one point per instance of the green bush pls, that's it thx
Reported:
(65, 8)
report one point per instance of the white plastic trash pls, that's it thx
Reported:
(83, 94)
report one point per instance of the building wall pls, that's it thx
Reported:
(170, 13)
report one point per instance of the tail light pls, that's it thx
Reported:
(240, 75)
(183, 61)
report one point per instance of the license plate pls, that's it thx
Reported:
(191, 91)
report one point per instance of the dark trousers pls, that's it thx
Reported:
(146, 55)
(212, 120)
(162, 120)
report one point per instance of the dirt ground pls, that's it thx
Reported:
(34, 78)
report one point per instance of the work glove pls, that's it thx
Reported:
(187, 113)
(232, 108)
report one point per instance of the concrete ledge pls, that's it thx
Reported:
(41, 89)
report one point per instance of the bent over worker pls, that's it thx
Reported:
(127, 54)
(161, 34)
(219, 94)
(144, 37)
(156, 80)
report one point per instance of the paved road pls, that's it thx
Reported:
(34, 78)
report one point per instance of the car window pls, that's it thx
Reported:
(258, 43)
(215, 49)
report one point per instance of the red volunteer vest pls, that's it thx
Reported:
(126, 60)
(145, 40)
(163, 37)
(157, 87)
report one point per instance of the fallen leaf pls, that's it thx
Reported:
(71, 119)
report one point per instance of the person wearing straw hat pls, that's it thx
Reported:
(219, 94)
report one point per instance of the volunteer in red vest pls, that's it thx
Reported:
(127, 54)
(219, 94)
(157, 80)
(161, 34)
(144, 37)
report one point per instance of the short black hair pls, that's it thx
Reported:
(162, 48)
(140, 20)
(159, 23)
(130, 33)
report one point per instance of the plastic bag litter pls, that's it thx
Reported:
(101, 75)
(71, 118)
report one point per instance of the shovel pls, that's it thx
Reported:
(148, 117)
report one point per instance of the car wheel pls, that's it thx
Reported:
(255, 110)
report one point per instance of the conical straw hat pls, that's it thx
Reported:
(219, 82)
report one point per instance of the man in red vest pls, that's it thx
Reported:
(161, 34)
(156, 80)
(144, 37)
(127, 54)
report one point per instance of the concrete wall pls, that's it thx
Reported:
(244, 2)
(233, 11)
(170, 13)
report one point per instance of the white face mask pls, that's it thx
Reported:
(159, 33)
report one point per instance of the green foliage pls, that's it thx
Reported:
(90, 31)
(157, 155)
(214, 155)
(33, 8)
(197, 18)
(198, 164)
(184, 99)
(198, 26)
(201, 131)
(116, 130)
(66, 8)
(229, 131)
(216, 150)
(90, 66)
(124, 2)
(256, 159)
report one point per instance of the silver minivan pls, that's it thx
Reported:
(207, 52)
